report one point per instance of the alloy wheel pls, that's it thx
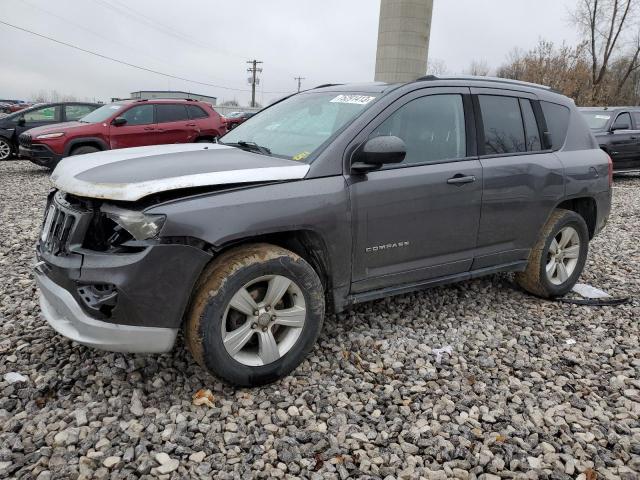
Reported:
(263, 320)
(5, 150)
(563, 255)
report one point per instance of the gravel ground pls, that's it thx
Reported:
(529, 388)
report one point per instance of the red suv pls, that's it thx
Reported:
(134, 123)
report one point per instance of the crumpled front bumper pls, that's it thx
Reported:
(64, 314)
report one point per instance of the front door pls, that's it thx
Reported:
(418, 220)
(39, 117)
(623, 142)
(139, 131)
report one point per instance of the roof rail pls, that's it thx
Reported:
(475, 78)
(327, 85)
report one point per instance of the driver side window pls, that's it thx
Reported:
(623, 122)
(431, 127)
(139, 115)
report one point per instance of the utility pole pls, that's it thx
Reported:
(254, 70)
(299, 79)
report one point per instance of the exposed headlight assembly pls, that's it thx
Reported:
(49, 135)
(140, 225)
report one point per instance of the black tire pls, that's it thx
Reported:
(6, 149)
(83, 150)
(535, 279)
(220, 281)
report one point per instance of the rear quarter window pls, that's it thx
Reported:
(196, 112)
(557, 118)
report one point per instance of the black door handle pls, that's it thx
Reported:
(460, 179)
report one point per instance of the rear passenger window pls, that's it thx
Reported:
(431, 127)
(557, 118)
(530, 126)
(196, 112)
(503, 128)
(170, 113)
(636, 120)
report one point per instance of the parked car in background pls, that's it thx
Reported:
(13, 125)
(331, 197)
(617, 130)
(234, 119)
(10, 106)
(133, 123)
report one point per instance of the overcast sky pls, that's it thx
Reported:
(326, 41)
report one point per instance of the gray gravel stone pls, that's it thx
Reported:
(512, 399)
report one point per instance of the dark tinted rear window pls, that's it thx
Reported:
(503, 128)
(557, 118)
(196, 112)
(170, 113)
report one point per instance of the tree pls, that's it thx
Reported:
(230, 103)
(436, 66)
(479, 68)
(606, 25)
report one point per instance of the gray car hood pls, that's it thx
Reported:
(133, 173)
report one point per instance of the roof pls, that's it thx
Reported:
(174, 91)
(594, 109)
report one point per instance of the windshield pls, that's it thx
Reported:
(596, 119)
(102, 113)
(299, 125)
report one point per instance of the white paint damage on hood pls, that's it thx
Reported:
(172, 167)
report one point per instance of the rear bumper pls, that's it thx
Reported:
(64, 314)
(41, 155)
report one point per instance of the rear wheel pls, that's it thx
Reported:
(5, 149)
(558, 258)
(256, 313)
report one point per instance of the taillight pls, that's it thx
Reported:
(610, 171)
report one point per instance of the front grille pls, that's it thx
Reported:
(25, 140)
(65, 223)
(57, 230)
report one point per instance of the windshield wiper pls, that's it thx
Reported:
(250, 146)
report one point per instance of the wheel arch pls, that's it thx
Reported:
(306, 243)
(85, 142)
(586, 207)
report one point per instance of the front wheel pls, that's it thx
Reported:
(557, 259)
(256, 313)
(5, 149)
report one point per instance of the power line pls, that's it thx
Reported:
(122, 62)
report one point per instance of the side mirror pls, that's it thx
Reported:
(620, 126)
(22, 121)
(119, 121)
(376, 152)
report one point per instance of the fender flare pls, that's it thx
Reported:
(83, 140)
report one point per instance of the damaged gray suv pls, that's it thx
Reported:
(331, 197)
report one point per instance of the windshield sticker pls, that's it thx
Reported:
(356, 99)
(603, 117)
(300, 156)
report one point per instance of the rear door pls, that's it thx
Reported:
(522, 181)
(173, 124)
(139, 130)
(418, 220)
